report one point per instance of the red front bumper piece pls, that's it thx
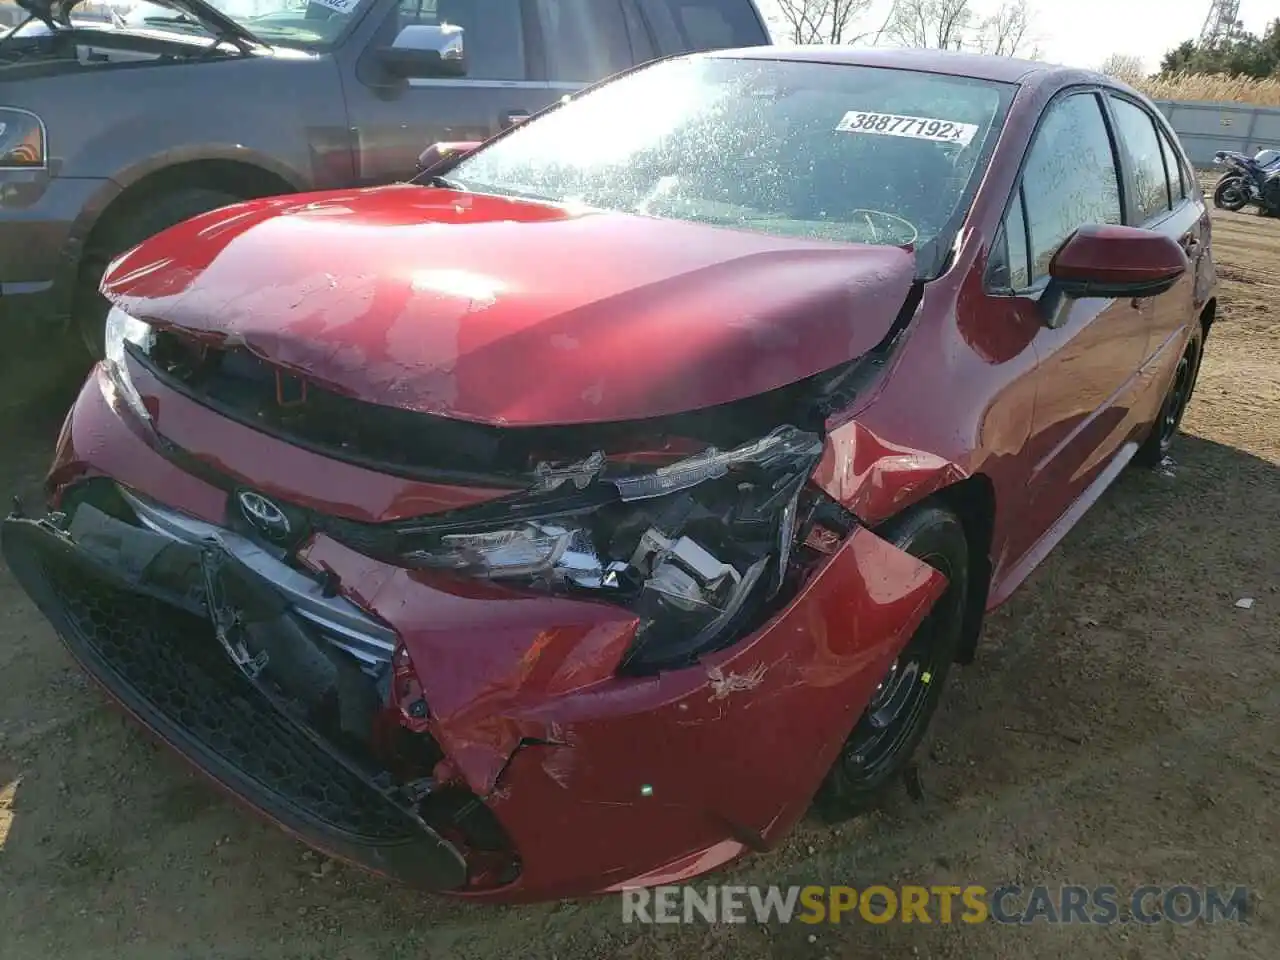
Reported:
(597, 780)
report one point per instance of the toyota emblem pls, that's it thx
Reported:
(264, 516)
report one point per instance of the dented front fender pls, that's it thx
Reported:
(660, 776)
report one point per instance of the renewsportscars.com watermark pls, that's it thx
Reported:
(938, 904)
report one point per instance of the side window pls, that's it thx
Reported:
(1008, 267)
(1136, 131)
(1015, 225)
(1070, 178)
(1178, 186)
(586, 39)
(713, 24)
(642, 47)
(493, 33)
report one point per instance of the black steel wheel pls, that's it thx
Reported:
(1165, 428)
(893, 723)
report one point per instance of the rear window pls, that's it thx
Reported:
(714, 24)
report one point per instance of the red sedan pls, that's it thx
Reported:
(575, 518)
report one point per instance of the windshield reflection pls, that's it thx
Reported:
(846, 153)
(287, 22)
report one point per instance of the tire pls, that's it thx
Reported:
(89, 311)
(1270, 206)
(1230, 193)
(1165, 427)
(879, 748)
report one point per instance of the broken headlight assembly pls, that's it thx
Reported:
(122, 330)
(693, 548)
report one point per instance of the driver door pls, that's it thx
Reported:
(1087, 384)
(393, 120)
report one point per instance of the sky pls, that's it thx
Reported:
(1083, 33)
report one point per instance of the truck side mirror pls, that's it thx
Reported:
(426, 50)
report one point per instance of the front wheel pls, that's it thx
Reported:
(893, 723)
(1231, 193)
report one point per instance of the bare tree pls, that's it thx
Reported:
(822, 21)
(940, 24)
(1123, 66)
(843, 15)
(953, 25)
(1004, 33)
(802, 19)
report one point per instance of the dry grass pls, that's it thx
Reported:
(1201, 86)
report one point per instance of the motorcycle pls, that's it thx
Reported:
(1248, 180)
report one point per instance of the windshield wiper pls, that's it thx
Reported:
(174, 18)
(13, 32)
(237, 40)
(445, 183)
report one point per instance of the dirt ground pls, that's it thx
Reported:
(1120, 726)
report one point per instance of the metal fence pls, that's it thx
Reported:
(1205, 127)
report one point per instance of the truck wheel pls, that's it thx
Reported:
(89, 310)
(881, 744)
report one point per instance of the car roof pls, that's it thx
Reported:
(978, 66)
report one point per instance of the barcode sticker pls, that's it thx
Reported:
(338, 6)
(915, 128)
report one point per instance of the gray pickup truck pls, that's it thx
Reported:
(116, 125)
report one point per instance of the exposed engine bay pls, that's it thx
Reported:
(700, 550)
(700, 524)
(692, 547)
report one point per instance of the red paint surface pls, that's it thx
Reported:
(1118, 255)
(510, 312)
(99, 438)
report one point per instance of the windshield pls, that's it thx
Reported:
(305, 23)
(838, 152)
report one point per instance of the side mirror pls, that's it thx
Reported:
(443, 154)
(426, 50)
(1112, 262)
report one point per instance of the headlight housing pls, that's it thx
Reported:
(122, 329)
(692, 548)
(23, 143)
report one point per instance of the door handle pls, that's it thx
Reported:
(512, 117)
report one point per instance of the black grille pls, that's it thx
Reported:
(243, 387)
(173, 661)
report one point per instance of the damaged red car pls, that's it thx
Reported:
(574, 518)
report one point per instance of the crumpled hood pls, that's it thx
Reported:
(510, 312)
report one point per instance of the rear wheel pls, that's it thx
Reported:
(1160, 440)
(1231, 193)
(889, 730)
(90, 307)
